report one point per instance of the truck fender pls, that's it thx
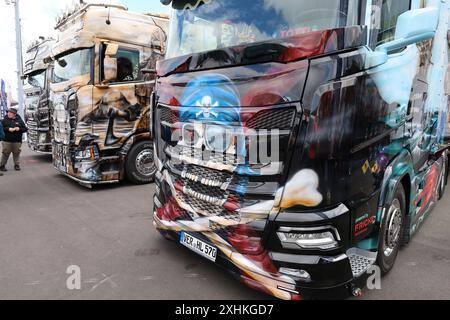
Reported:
(399, 167)
(132, 141)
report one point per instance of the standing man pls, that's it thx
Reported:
(14, 128)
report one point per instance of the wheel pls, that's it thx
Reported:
(443, 178)
(140, 166)
(392, 228)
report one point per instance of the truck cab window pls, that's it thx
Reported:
(73, 65)
(390, 11)
(128, 66)
(37, 80)
(200, 26)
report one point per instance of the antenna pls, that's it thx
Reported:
(108, 21)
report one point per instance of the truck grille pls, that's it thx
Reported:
(272, 119)
(168, 115)
(206, 176)
(217, 184)
(201, 207)
(278, 118)
(198, 155)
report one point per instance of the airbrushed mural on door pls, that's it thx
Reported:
(338, 126)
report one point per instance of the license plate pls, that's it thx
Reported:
(199, 246)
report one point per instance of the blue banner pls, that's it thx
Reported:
(3, 100)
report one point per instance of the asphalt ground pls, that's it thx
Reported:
(48, 223)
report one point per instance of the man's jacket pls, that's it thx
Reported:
(2, 133)
(17, 122)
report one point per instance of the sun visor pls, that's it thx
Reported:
(80, 40)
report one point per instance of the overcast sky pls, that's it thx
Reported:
(38, 19)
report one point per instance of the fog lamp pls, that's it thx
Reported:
(307, 239)
(302, 274)
(89, 154)
(42, 138)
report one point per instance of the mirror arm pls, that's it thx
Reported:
(401, 43)
(148, 71)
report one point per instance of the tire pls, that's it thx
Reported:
(443, 179)
(391, 232)
(140, 166)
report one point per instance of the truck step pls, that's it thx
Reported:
(110, 173)
(361, 261)
(109, 159)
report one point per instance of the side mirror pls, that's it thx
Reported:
(110, 63)
(110, 69)
(412, 27)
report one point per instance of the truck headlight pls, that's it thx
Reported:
(42, 138)
(89, 154)
(309, 238)
(297, 273)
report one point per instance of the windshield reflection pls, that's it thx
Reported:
(205, 25)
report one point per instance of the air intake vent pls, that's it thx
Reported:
(272, 119)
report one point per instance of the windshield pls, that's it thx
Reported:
(37, 80)
(204, 25)
(72, 65)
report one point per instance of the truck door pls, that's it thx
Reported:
(446, 116)
(402, 81)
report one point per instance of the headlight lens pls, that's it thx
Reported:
(43, 138)
(307, 239)
(88, 154)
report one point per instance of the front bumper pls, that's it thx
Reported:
(36, 142)
(104, 170)
(43, 148)
(87, 183)
(332, 276)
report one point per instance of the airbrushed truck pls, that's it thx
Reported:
(301, 144)
(103, 78)
(37, 74)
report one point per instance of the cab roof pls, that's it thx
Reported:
(81, 27)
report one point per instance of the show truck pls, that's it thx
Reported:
(300, 144)
(102, 81)
(37, 74)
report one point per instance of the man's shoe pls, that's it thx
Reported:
(3, 169)
(17, 168)
(1, 174)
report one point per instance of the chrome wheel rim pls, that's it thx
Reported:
(393, 229)
(145, 164)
